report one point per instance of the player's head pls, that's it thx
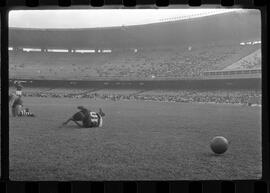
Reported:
(26, 109)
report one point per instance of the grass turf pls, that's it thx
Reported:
(140, 140)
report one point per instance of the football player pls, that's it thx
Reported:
(87, 118)
(16, 104)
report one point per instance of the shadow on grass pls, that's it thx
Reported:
(212, 154)
(75, 127)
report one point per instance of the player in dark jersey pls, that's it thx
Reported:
(87, 117)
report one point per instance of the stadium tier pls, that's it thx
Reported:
(253, 60)
(149, 64)
(181, 49)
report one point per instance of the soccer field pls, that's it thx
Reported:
(139, 140)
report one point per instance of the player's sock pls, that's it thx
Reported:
(25, 113)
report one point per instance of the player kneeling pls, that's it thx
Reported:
(88, 118)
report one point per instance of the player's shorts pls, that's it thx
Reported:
(18, 92)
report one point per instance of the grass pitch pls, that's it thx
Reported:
(140, 140)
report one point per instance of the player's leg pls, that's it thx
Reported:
(67, 121)
(75, 118)
(17, 110)
(13, 111)
(77, 123)
(100, 122)
(71, 119)
(12, 99)
(102, 114)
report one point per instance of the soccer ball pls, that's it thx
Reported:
(219, 144)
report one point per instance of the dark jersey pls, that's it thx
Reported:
(86, 119)
(79, 116)
(87, 122)
(93, 120)
(89, 118)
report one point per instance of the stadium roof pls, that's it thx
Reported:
(232, 26)
(95, 18)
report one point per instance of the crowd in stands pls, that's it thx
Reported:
(183, 96)
(252, 61)
(145, 63)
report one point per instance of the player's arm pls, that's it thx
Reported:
(102, 114)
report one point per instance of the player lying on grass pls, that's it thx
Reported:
(88, 118)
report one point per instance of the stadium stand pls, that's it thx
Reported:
(217, 96)
(252, 61)
(175, 49)
(147, 64)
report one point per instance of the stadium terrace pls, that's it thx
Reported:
(172, 50)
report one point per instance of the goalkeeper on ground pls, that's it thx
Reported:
(87, 118)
